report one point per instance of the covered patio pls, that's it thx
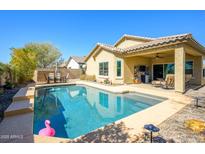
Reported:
(179, 60)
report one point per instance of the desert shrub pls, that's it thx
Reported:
(82, 77)
(106, 81)
(91, 77)
(88, 77)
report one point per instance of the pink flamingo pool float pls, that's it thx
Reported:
(48, 131)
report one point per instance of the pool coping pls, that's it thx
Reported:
(159, 112)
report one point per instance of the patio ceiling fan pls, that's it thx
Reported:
(158, 56)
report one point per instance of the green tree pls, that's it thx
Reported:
(24, 62)
(47, 54)
(6, 70)
(2, 68)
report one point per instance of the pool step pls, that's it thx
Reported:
(19, 107)
(24, 94)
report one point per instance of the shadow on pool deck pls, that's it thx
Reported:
(113, 133)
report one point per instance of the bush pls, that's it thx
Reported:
(1, 91)
(88, 77)
(8, 85)
(82, 77)
(106, 81)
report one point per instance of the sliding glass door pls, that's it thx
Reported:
(168, 69)
(161, 70)
(157, 71)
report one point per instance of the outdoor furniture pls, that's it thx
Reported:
(156, 83)
(51, 77)
(151, 128)
(168, 82)
(67, 77)
(63, 79)
(58, 77)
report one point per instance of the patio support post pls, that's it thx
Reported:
(198, 69)
(179, 69)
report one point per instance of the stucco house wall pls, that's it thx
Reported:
(177, 53)
(128, 43)
(93, 65)
(129, 64)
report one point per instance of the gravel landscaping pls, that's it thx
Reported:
(6, 100)
(174, 127)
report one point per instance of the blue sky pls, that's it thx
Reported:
(77, 32)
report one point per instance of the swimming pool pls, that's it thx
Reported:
(76, 110)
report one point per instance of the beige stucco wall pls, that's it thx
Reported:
(129, 64)
(128, 43)
(104, 56)
(179, 77)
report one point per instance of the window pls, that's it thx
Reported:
(204, 72)
(103, 99)
(168, 69)
(119, 66)
(103, 68)
(189, 67)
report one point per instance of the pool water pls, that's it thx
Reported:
(77, 110)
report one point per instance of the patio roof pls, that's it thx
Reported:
(150, 43)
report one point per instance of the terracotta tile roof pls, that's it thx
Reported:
(110, 47)
(138, 37)
(153, 43)
(159, 41)
(150, 43)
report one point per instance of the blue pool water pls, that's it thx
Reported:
(77, 110)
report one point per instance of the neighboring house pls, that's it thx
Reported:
(75, 62)
(133, 57)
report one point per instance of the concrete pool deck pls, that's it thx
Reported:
(135, 122)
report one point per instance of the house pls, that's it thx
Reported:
(75, 62)
(134, 57)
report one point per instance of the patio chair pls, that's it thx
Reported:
(67, 77)
(156, 83)
(168, 82)
(160, 82)
(58, 77)
(51, 77)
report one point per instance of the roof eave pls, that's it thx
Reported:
(131, 37)
(98, 46)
